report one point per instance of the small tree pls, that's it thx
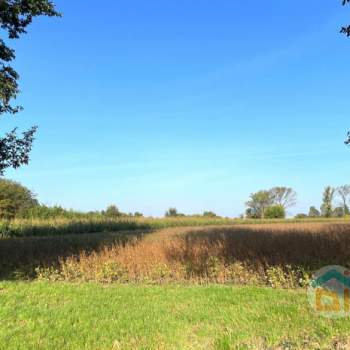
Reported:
(314, 213)
(327, 202)
(344, 192)
(338, 212)
(113, 211)
(301, 216)
(171, 212)
(15, 199)
(209, 214)
(275, 212)
(138, 214)
(252, 213)
(257, 204)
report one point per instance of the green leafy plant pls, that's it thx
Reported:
(275, 212)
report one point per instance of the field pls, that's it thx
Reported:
(264, 254)
(97, 223)
(222, 286)
(44, 315)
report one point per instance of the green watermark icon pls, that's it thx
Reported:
(329, 292)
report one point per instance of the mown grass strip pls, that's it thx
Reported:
(43, 315)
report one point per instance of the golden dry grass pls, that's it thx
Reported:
(275, 254)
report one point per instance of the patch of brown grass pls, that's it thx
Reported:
(279, 255)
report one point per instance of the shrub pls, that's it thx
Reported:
(113, 211)
(44, 212)
(171, 212)
(250, 213)
(275, 212)
(314, 213)
(209, 214)
(338, 212)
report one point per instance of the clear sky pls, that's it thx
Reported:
(192, 104)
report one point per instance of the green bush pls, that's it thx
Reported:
(172, 212)
(44, 212)
(209, 214)
(113, 211)
(314, 213)
(275, 212)
(338, 212)
(301, 216)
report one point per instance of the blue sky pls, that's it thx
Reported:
(192, 104)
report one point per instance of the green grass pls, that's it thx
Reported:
(43, 315)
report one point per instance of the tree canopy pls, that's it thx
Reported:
(275, 212)
(113, 211)
(15, 16)
(257, 204)
(314, 212)
(277, 200)
(15, 199)
(283, 196)
(327, 202)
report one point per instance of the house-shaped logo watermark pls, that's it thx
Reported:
(329, 292)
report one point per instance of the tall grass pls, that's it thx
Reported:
(269, 254)
(64, 226)
(98, 223)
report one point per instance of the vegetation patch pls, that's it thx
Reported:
(44, 315)
(271, 255)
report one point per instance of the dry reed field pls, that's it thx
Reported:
(278, 255)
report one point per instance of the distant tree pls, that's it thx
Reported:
(257, 204)
(113, 211)
(209, 214)
(15, 199)
(338, 212)
(275, 212)
(344, 192)
(138, 214)
(171, 212)
(252, 213)
(301, 216)
(314, 213)
(15, 16)
(283, 196)
(42, 211)
(327, 202)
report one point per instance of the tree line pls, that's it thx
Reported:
(274, 203)
(17, 201)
